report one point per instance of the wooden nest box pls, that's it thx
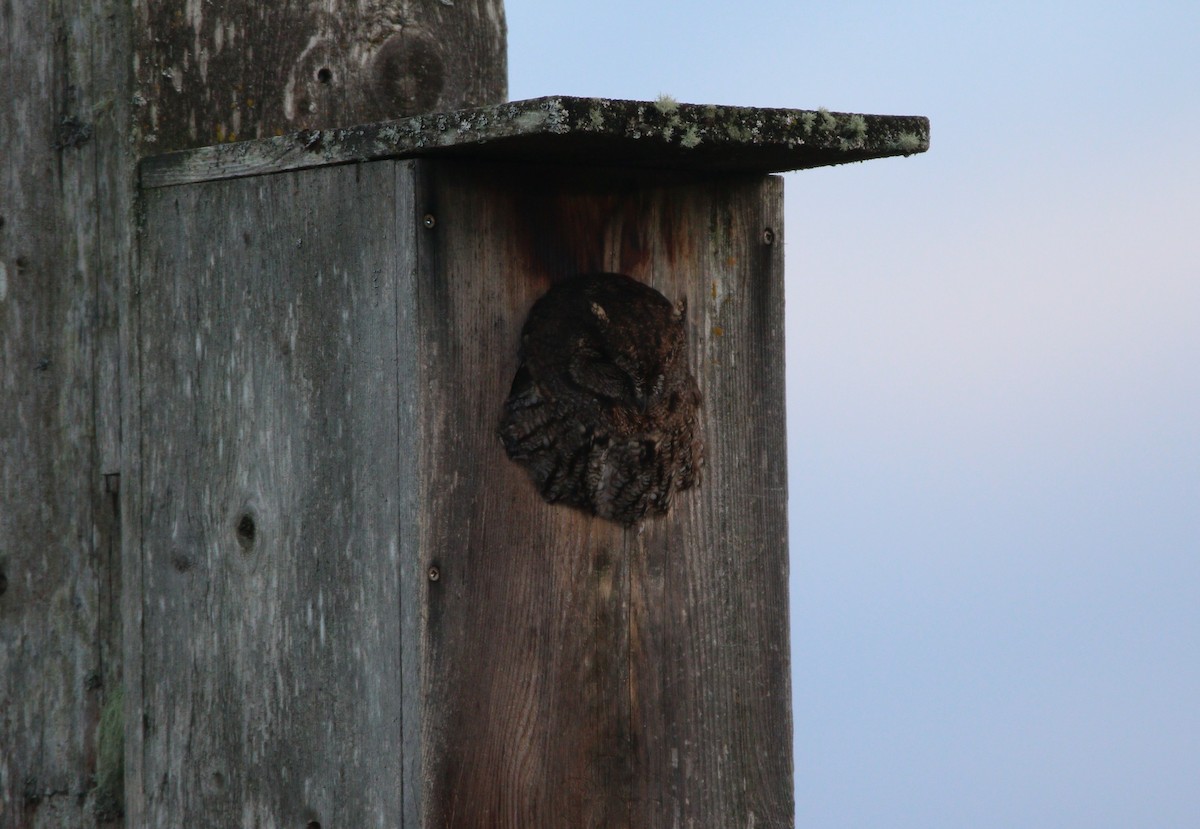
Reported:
(356, 608)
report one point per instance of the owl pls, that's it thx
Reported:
(603, 411)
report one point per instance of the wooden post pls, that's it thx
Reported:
(209, 73)
(355, 609)
(66, 190)
(89, 87)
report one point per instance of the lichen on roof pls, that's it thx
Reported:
(566, 130)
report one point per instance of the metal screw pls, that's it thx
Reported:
(768, 236)
(434, 573)
(429, 221)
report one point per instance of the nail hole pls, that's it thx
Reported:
(434, 573)
(246, 531)
(324, 74)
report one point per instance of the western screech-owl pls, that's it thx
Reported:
(603, 410)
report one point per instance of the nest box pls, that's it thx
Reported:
(366, 598)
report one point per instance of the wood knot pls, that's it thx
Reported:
(409, 73)
(246, 531)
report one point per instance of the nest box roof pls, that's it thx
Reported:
(579, 131)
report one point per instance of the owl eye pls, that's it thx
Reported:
(592, 371)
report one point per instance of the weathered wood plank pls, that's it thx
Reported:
(66, 184)
(592, 131)
(578, 673)
(709, 596)
(273, 481)
(66, 229)
(215, 72)
(208, 73)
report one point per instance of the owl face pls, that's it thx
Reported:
(640, 344)
(603, 410)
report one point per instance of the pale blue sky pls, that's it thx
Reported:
(994, 399)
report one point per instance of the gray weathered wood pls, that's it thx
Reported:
(215, 73)
(66, 183)
(208, 73)
(70, 436)
(328, 351)
(274, 479)
(660, 134)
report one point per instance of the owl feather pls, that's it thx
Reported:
(603, 411)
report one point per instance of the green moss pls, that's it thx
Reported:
(828, 122)
(691, 137)
(596, 117)
(808, 120)
(666, 104)
(109, 800)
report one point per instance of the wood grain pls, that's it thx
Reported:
(70, 433)
(66, 188)
(208, 73)
(580, 674)
(274, 476)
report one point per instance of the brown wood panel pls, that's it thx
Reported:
(579, 673)
(273, 478)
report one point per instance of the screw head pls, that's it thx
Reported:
(429, 221)
(434, 573)
(768, 236)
